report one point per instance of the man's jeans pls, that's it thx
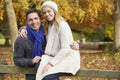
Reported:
(37, 65)
(32, 76)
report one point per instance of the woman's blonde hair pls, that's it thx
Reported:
(57, 21)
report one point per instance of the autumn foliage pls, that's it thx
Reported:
(79, 13)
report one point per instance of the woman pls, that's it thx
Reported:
(59, 58)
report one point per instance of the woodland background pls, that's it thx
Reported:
(96, 21)
(93, 19)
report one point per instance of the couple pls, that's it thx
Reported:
(56, 58)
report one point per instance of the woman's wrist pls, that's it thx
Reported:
(50, 64)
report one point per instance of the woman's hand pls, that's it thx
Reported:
(23, 33)
(49, 65)
(74, 45)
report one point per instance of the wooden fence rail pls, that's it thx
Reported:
(110, 74)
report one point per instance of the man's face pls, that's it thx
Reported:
(33, 20)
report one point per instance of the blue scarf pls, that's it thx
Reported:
(37, 38)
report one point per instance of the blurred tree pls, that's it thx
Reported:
(79, 13)
(83, 12)
(11, 20)
(117, 25)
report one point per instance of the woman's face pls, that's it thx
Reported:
(48, 13)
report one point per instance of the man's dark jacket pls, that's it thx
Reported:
(23, 52)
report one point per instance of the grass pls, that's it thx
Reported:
(2, 41)
(76, 35)
(117, 57)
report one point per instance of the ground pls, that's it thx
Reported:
(90, 59)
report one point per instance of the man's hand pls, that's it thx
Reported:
(36, 59)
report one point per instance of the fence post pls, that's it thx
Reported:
(1, 76)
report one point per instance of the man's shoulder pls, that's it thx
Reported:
(21, 40)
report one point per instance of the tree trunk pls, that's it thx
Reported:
(12, 21)
(117, 25)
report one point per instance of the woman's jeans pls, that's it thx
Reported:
(55, 76)
(30, 76)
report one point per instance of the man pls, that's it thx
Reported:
(27, 51)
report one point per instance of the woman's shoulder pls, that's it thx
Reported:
(64, 25)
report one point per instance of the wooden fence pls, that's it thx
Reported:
(110, 74)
